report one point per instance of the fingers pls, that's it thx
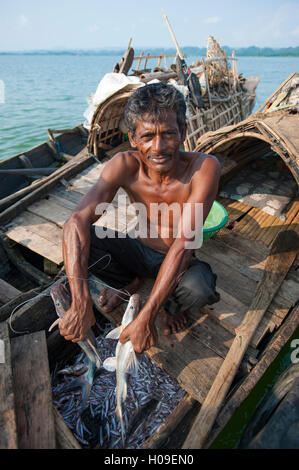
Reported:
(123, 337)
(73, 335)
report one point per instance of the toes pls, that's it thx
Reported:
(102, 299)
(166, 331)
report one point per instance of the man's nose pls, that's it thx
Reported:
(158, 144)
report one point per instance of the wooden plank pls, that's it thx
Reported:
(246, 265)
(282, 256)
(235, 209)
(67, 195)
(255, 250)
(7, 292)
(38, 225)
(8, 434)
(36, 243)
(33, 396)
(50, 210)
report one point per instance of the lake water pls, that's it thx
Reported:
(51, 91)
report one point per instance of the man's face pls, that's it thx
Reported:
(158, 142)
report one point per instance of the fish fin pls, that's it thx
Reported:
(110, 364)
(133, 364)
(93, 346)
(54, 324)
(125, 390)
(114, 334)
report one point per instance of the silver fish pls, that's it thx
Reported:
(62, 302)
(76, 369)
(125, 360)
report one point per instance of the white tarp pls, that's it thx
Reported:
(110, 84)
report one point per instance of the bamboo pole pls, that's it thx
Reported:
(276, 91)
(181, 56)
(283, 253)
(139, 61)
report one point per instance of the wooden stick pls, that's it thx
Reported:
(146, 60)
(181, 56)
(207, 80)
(139, 61)
(155, 56)
(283, 253)
(29, 171)
(276, 91)
(8, 434)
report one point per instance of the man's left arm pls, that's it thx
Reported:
(142, 331)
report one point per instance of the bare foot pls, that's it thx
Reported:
(111, 298)
(173, 323)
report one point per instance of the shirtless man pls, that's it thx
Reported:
(158, 171)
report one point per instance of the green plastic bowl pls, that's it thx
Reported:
(216, 219)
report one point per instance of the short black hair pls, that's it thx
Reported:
(153, 100)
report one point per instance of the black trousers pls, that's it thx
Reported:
(129, 258)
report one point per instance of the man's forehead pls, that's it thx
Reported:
(167, 118)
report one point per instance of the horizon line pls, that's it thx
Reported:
(120, 49)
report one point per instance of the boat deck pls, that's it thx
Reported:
(236, 254)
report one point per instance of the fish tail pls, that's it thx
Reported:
(119, 414)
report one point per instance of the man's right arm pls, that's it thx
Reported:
(76, 247)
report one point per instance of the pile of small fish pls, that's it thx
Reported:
(151, 397)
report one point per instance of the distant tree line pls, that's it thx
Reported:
(252, 51)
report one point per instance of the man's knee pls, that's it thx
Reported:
(198, 286)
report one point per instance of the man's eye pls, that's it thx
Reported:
(147, 137)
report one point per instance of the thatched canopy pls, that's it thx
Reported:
(277, 131)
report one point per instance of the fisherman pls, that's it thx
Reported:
(158, 171)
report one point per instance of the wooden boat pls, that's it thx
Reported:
(242, 254)
(22, 173)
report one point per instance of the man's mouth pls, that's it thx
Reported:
(159, 158)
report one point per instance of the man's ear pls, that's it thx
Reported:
(132, 139)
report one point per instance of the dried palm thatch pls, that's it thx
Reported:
(107, 130)
(218, 71)
(254, 137)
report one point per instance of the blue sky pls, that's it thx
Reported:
(44, 24)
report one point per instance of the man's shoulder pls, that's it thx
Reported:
(202, 161)
(124, 161)
(127, 158)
